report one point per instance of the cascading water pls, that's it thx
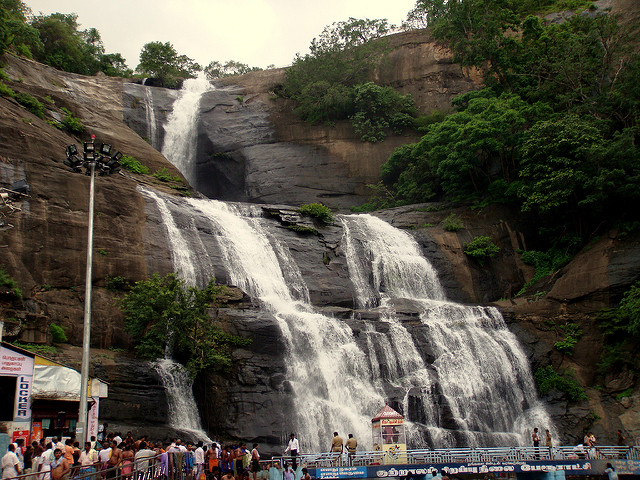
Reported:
(181, 132)
(152, 129)
(183, 411)
(328, 372)
(476, 390)
(178, 385)
(481, 372)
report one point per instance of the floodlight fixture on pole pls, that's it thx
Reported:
(105, 163)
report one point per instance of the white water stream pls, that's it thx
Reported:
(183, 410)
(152, 129)
(180, 131)
(482, 372)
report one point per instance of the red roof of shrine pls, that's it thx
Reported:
(386, 412)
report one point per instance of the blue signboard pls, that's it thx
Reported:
(570, 467)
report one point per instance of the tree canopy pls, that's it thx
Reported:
(56, 40)
(162, 61)
(215, 69)
(332, 82)
(554, 131)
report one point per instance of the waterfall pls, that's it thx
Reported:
(178, 385)
(482, 374)
(151, 118)
(180, 141)
(456, 372)
(330, 376)
(183, 411)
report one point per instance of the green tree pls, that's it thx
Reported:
(345, 35)
(215, 69)
(64, 47)
(425, 13)
(378, 109)
(15, 33)
(165, 311)
(162, 61)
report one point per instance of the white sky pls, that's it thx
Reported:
(255, 32)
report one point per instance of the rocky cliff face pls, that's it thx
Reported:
(252, 149)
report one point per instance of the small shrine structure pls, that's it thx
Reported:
(389, 435)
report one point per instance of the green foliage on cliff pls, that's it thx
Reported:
(554, 131)
(57, 334)
(481, 248)
(621, 329)
(8, 282)
(331, 82)
(572, 333)
(548, 379)
(133, 165)
(317, 210)
(164, 311)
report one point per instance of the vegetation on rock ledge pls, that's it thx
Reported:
(164, 310)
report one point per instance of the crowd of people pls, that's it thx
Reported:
(138, 459)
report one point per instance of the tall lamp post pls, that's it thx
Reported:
(104, 162)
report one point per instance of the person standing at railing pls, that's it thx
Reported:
(337, 447)
(88, 459)
(351, 446)
(114, 460)
(199, 461)
(127, 462)
(611, 472)
(10, 463)
(548, 442)
(293, 448)
(255, 461)
(536, 442)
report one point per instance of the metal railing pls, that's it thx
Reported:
(175, 468)
(462, 455)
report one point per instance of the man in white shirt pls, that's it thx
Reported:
(199, 461)
(10, 463)
(293, 448)
(88, 459)
(142, 457)
(103, 457)
(45, 462)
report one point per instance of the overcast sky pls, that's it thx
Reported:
(255, 32)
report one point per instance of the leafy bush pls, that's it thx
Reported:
(70, 123)
(134, 166)
(165, 175)
(57, 334)
(117, 283)
(5, 91)
(545, 262)
(481, 248)
(302, 229)
(378, 109)
(317, 210)
(572, 333)
(548, 379)
(452, 223)
(164, 310)
(31, 103)
(7, 281)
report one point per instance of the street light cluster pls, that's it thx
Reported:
(104, 160)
